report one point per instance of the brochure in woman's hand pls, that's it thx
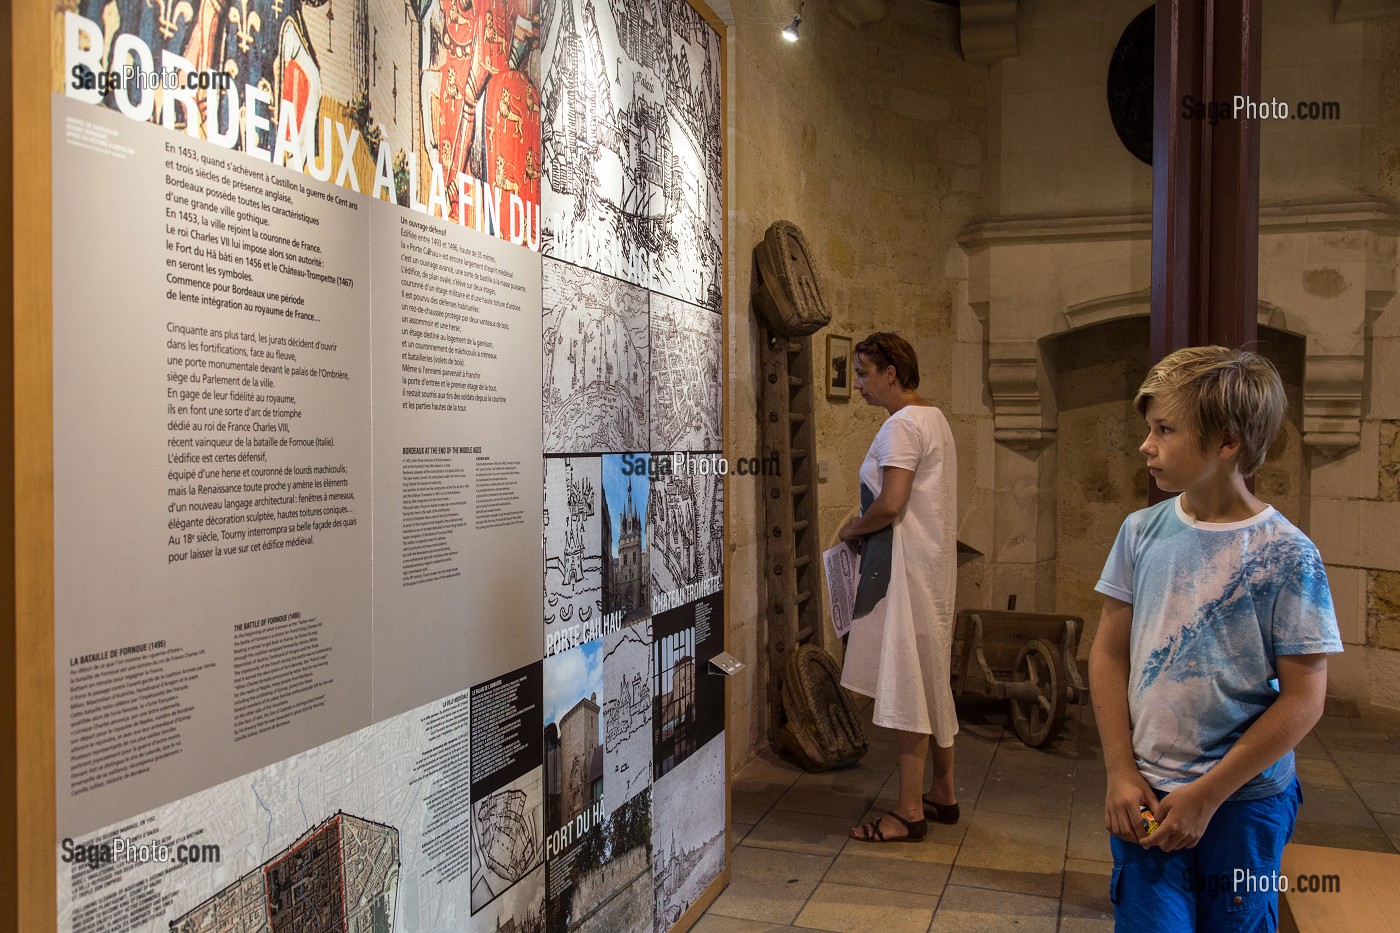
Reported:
(842, 565)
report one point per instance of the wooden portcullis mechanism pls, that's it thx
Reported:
(817, 723)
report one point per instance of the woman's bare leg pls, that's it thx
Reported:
(943, 789)
(913, 752)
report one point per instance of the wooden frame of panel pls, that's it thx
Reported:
(28, 878)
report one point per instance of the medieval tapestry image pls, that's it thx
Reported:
(432, 104)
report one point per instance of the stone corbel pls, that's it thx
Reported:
(988, 30)
(1332, 388)
(1018, 416)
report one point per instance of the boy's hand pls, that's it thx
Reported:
(1121, 815)
(1182, 817)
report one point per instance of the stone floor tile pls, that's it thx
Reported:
(1085, 892)
(814, 798)
(920, 868)
(800, 832)
(768, 768)
(1335, 806)
(1310, 747)
(1381, 717)
(1390, 825)
(857, 780)
(1012, 853)
(1084, 925)
(1362, 740)
(750, 802)
(1018, 795)
(770, 886)
(1015, 761)
(844, 908)
(1379, 797)
(1087, 837)
(1318, 773)
(1343, 837)
(1366, 766)
(978, 910)
(737, 832)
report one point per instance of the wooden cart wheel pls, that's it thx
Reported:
(1037, 721)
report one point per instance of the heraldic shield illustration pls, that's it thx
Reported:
(324, 87)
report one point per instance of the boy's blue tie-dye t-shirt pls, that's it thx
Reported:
(1213, 606)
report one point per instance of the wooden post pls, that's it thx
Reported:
(1205, 177)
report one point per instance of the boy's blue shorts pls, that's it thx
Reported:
(1228, 881)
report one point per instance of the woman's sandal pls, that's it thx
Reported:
(941, 812)
(871, 832)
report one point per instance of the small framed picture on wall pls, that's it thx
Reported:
(840, 366)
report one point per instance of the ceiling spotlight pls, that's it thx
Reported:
(790, 33)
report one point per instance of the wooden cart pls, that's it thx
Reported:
(1026, 658)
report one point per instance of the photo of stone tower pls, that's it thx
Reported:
(626, 557)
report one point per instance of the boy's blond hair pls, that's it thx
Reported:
(1220, 393)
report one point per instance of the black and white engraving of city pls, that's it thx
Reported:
(687, 832)
(685, 376)
(595, 362)
(573, 552)
(507, 837)
(631, 144)
(687, 537)
(519, 910)
(626, 714)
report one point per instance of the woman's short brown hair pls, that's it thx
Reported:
(886, 349)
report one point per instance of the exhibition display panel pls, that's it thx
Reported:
(387, 559)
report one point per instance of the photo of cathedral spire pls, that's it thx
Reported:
(626, 557)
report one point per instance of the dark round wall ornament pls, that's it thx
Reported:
(1130, 80)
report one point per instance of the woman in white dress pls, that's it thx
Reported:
(900, 644)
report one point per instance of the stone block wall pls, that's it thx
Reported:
(1060, 267)
(871, 139)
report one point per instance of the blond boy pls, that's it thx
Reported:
(1210, 661)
